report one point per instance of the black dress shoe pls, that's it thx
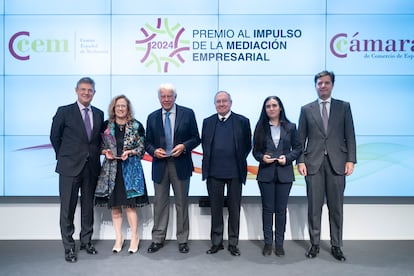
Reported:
(279, 251)
(234, 250)
(183, 247)
(312, 251)
(215, 248)
(154, 247)
(90, 249)
(70, 255)
(267, 250)
(338, 254)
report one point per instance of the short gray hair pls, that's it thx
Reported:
(225, 92)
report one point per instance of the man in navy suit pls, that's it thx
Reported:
(172, 134)
(326, 131)
(76, 138)
(226, 141)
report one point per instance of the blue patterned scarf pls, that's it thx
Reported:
(132, 171)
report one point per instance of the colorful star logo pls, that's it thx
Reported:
(162, 45)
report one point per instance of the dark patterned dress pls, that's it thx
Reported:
(118, 197)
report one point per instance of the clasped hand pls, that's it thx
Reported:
(124, 156)
(175, 152)
(268, 159)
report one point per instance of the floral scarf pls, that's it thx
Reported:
(131, 168)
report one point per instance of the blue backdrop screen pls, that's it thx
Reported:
(251, 51)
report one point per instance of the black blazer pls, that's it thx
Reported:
(242, 140)
(70, 141)
(289, 145)
(185, 132)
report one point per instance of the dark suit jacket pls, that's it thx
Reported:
(339, 141)
(185, 132)
(289, 145)
(242, 140)
(70, 141)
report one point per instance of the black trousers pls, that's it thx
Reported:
(68, 191)
(274, 202)
(215, 187)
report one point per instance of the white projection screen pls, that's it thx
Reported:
(252, 51)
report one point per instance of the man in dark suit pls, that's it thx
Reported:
(326, 131)
(226, 141)
(172, 134)
(76, 138)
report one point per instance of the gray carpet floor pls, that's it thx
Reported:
(363, 258)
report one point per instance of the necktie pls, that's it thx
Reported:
(87, 122)
(325, 117)
(168, 135)
(222, 119)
